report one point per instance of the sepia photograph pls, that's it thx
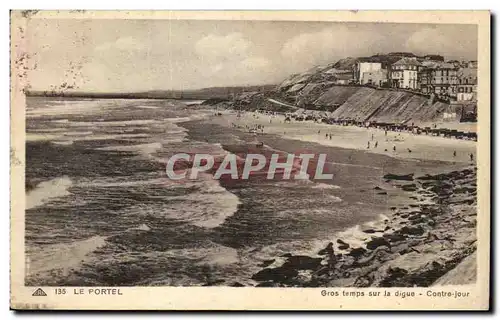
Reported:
(277, 153)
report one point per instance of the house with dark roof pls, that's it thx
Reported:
(404, 73)
(438, 78)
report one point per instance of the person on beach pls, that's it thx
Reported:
(376, 144)
(454, 153)
(368, 147)
(471, 157)
(319, 131)
(326, 135)
(394, 148)
(330, 253)
(330, 136)
(386, 133)
(372, 136)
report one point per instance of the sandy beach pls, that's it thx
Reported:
(351, 137)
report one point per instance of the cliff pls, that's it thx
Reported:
(319, 89)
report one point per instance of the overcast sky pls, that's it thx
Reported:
(139, 55)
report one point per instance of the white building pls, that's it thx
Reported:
(362, 67)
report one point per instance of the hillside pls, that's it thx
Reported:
(315, 89)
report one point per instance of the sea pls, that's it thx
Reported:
(101, 211)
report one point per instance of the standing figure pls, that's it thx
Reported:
(394, 148)
(471, 157)
(368, 147)
(376, 144)
(454, 153)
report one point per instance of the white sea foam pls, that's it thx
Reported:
(61, 256)
(47, 190)
(319, 185)
(143, 149)
(78, 133)
(71, 107)
(123, 123)
(41, 136)
(147, 107)
(63, 143)
(209, 205)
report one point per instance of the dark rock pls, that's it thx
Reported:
(392, 277)
(404, 216)
(395, 237)
(419, 221)
(414, 217)
(302, 263)
(266, 263)
(377, 242)
(377, 188)
(275, 274)
(213, 283)
(382, 193)
(406, 177)
(327, 250)
(404, 251)
(372, 231)
(357, 252)
(409, 187)
(342, 245)
(415, 231)
(267, 284)
(237, 284)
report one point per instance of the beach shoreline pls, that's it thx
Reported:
(418, 227)
(408, 145)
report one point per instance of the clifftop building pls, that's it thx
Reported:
(404, 73)
(439, 78)
(467, 85)
(361, 67)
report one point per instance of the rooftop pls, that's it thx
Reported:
(407, 62)
(467, 73)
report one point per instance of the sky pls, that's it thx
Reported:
(141, 55)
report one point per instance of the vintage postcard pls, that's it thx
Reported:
(293, 160)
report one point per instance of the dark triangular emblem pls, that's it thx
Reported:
(39, 293)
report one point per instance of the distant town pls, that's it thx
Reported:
(453, 80)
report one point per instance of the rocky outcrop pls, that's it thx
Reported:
(422, 243)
